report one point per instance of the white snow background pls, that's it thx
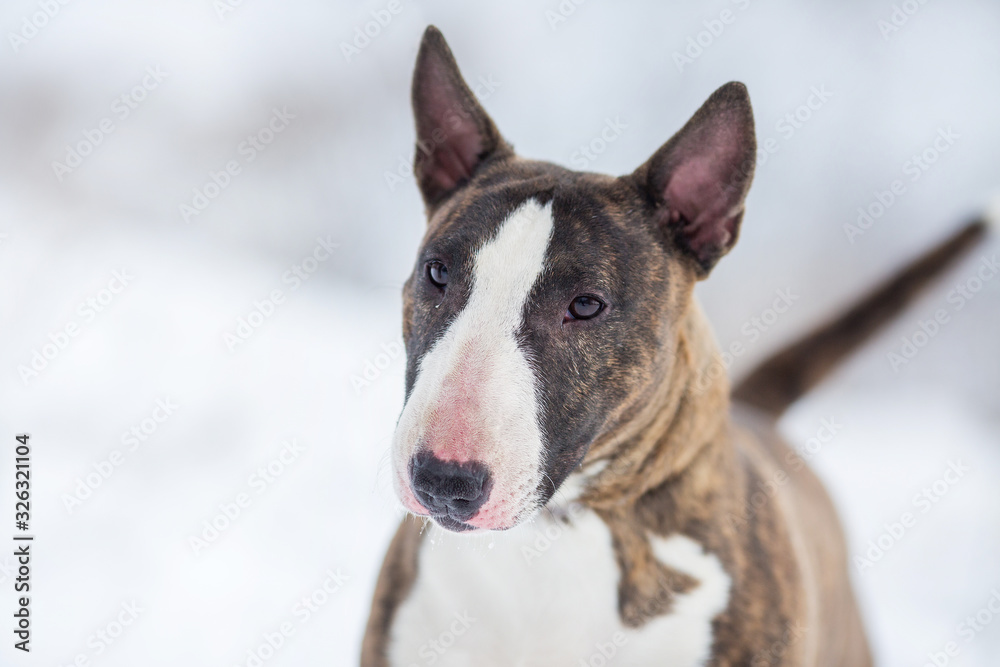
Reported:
(555, 84)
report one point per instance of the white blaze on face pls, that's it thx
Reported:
(475, 397)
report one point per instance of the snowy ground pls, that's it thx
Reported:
(324, 514)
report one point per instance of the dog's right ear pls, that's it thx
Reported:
(454, 133)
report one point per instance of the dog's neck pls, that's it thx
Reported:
(672, 434)
(670, 467)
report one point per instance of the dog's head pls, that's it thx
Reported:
(542, 299)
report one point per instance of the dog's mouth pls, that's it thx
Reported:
(445, 519)
(454, 525)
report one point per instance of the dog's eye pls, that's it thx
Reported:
(585, 307)
(438, 274)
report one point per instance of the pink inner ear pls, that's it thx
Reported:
(447, 130)
(454, 160)
(699, 178)
(697, 193)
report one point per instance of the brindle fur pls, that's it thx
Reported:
(648, 399)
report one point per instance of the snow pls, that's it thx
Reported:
(328, 515)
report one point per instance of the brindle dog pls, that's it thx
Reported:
(554, 345)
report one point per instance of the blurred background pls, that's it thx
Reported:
(206, 215)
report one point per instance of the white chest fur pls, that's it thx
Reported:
(545, 595)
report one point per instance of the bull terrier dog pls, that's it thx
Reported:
(585, 491)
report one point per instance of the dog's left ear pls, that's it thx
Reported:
(700, 177)
(454, 134)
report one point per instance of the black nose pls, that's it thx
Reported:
(449, 489)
